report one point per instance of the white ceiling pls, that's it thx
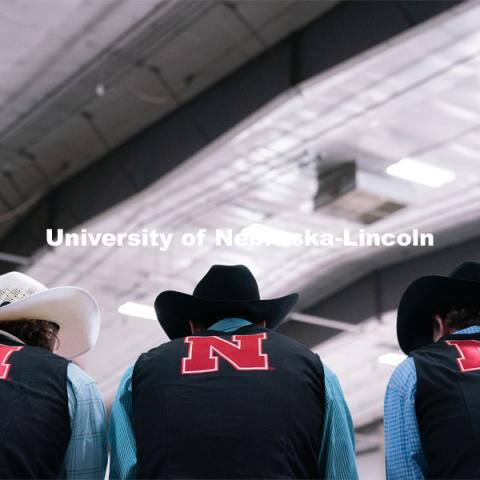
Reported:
(415, 96)
(80, 77)
(44, 42)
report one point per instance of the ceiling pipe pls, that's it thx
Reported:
(324, 322)
(16, 259)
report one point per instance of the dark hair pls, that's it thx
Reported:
(459, 318)
(36, 333)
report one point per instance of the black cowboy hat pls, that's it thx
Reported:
(225, 291)
(435, 294)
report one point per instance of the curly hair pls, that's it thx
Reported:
(36, 333)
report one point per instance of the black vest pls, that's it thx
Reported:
(204, 410)
(448, 405)
(34, 418)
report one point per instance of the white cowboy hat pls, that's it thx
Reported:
(73, 309)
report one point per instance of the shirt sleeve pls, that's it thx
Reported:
(86, 455)
(403, 450)
(337, 452)
(123, 449)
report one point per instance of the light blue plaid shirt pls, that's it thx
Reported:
(404, 457)
(336, 457)
(87, 453)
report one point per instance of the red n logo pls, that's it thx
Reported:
(244, 352)
(5, 352)
(469, 354)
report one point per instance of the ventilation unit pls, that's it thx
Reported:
(345, 192)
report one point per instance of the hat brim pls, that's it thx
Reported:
(426, 297)
(73, 309)
(175, 309)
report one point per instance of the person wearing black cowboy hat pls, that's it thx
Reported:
(432, 402)
(228, 397)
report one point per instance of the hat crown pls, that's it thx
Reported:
(469, 271)
(15, 286)
(228, 282)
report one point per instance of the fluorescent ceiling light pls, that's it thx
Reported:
(261, 154)
(419, 172)
(133, 309)
(265, 235)
(283, 144)
(391, 358)
(308, 206)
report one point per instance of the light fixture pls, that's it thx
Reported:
(283, 143)
(418, 172)
(391, 358)
(133, 309)
(307, 206)
(100, 90)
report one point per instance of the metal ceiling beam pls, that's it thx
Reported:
(15, 259)
(324, 322)
(360, 298)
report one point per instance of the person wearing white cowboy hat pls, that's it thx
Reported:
(228, 397)
(432, 413)
(53, 422)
